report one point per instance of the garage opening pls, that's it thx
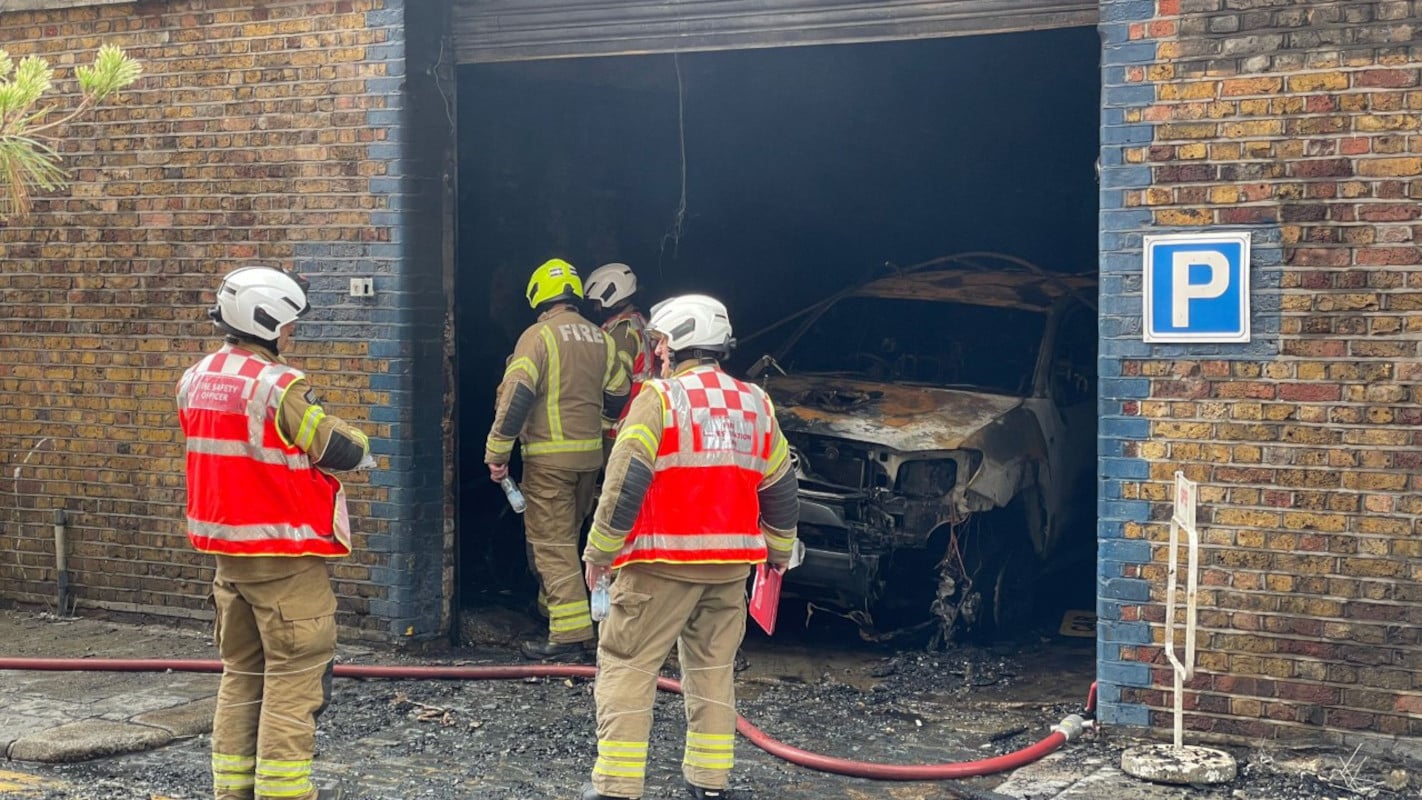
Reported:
(773, 179)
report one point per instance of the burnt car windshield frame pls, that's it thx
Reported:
(1025, 369)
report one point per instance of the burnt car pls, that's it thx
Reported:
(943, 427)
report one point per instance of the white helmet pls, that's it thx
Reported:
(255, 302)
(692, 322)
(610, 284)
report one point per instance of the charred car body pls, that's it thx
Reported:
(943, 426)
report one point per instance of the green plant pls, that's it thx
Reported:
(28, 158)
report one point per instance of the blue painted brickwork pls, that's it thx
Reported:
(393, 323)
(1121, 230)
(399, 320)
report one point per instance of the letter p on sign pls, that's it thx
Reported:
(1196, 287)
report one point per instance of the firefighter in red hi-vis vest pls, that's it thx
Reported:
(259, 450)
(609, 291)
(699, 488)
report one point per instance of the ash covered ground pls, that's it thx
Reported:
(826, 692)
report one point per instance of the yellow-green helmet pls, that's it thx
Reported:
(556, 279)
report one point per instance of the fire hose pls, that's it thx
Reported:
(1063, 732)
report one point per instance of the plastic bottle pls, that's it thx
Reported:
(600, 601)
(513, 493)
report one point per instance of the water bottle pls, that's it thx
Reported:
(600, 601)
(515, 496)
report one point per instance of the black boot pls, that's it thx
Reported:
(537, 650)
(702, 793)
(589, 793)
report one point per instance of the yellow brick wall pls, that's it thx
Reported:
(1298, 122)
(249, 138)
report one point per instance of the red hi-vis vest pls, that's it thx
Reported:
(703, 506)
(250, 492)
(641, 364)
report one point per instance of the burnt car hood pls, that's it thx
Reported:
(902, 418)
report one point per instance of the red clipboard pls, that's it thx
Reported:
(765, 596)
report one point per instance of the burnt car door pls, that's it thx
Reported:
(1071, 432)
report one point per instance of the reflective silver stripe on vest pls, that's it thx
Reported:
(753, 463)
(253, 533)
(694, 542)
(679, 411)
(266, 397)
(266, 455)
(270, 395)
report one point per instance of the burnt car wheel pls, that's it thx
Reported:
(987, 579)
(1013, 591)
(998, 595)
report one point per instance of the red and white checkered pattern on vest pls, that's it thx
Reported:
(250, 492)
(703, 506)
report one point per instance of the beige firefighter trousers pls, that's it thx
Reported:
(558, 501)
(649, 614)
(277, 640)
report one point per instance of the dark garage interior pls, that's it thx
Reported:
(770, 178)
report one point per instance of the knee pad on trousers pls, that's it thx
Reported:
(326, 679)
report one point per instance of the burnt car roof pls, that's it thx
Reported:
(1012, 289)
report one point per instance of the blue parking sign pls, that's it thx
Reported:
(1196, 287)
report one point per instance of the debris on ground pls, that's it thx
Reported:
(536, 738)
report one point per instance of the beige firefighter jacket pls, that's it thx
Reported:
(561, 384)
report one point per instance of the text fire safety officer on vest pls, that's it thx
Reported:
(260, 498)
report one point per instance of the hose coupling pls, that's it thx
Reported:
(1070, 727)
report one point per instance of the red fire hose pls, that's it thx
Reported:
(1062, 733)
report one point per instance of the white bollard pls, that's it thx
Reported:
(1179, 764)
(1183, 518)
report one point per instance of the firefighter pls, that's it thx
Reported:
(259, 450)
(699, 488)
(609, 290)
(561, 384)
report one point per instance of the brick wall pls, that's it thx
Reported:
(265, 132)
(1296, 121)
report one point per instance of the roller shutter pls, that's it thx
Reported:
(520, 30)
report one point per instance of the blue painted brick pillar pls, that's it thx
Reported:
(403, 528)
